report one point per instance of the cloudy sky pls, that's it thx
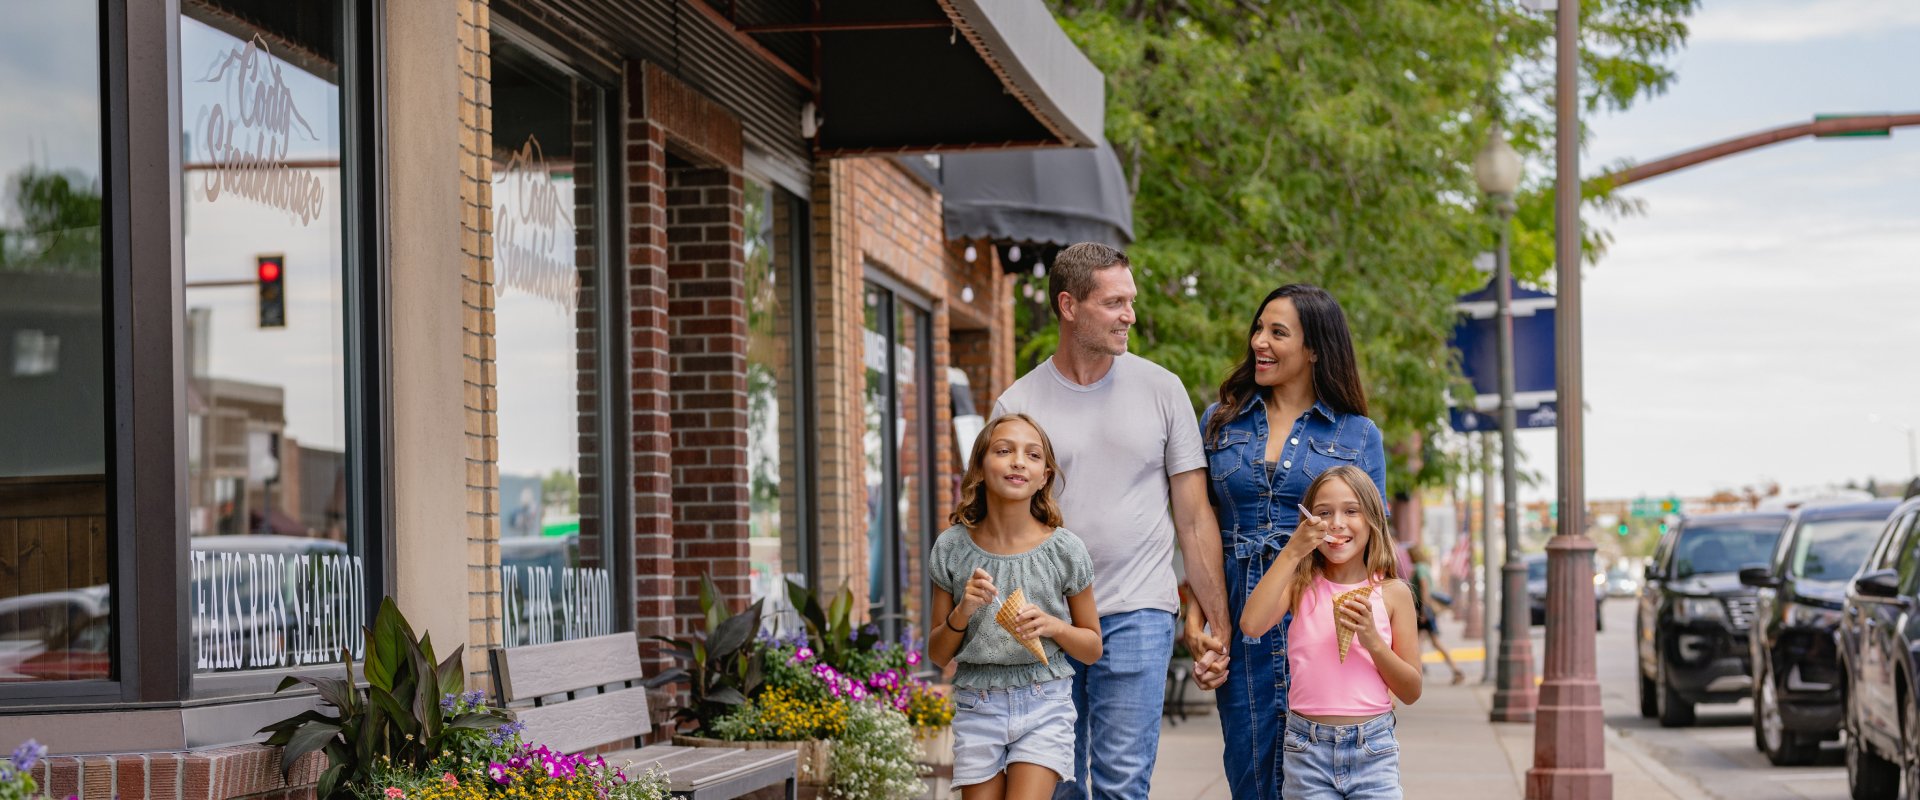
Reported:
(1747, 326)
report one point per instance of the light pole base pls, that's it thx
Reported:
(1569, 784)
(1515, 697)
(1569, 745)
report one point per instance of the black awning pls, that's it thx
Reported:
(1037, 197)
(951, 75)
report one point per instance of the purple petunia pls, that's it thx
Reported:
(28, 754)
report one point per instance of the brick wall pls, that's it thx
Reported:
(226, 773)
(707, 343)
(481, 402)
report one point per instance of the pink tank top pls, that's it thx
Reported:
(1319, 682)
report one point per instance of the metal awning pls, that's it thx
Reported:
(1037, 197)
(900, 76)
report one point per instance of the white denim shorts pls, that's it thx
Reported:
(996, 727)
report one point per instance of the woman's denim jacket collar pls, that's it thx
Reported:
(1257, 515)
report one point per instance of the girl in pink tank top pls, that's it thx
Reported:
(1352, 645)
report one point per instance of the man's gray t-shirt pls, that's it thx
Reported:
(1118, 441)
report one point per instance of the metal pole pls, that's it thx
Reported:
(1489, 604)
(1913, 453)
(1569, 754)
(1514, 698)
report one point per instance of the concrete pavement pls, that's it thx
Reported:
(1448, 749)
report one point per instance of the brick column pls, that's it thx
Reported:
(651, 579)
(707, 346)
(477, 321)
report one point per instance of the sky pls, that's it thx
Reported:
(1749, 324)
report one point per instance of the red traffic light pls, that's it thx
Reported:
(269, 271)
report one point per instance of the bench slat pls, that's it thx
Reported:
(545, 669)
(580, 724)
(691, 768)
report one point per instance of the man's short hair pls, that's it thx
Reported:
(1073, 269)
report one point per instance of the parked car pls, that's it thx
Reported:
(1795, 651)
(1537, 592)
(1879, 634)
(1694, 614)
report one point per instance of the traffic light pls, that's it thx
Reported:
(1623, 529)
(1663, 529)
(271, 275)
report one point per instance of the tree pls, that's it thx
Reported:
(56, 228)
(1330, 142)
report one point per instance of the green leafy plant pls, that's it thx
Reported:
(876, 757)
(839, 640)
(724, 663)
(397, 721)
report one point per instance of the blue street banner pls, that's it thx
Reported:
(1475, 336)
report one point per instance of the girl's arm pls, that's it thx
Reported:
(1267, 603)
(943, 643)
(1080, 638)
(1399, 665)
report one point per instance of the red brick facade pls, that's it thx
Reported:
(226, 773)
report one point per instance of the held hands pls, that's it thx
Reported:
(1357, 615)
(1210, 654)
(980, 593)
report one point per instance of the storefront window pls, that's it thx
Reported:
(779, 540)
(277, 572)
(554, 554)
(56, 620)
(897, 403)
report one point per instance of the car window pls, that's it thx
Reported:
(1662, 550)
(1723, 548)
(1783, 551)
(1909, 562)
(1833, 549)
(1892, 543)
(1537, 569)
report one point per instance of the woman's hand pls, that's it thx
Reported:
(1357, 616)
(979, 593)
(1306, 538)
(1032, 623)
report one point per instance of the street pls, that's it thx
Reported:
(1717, 753)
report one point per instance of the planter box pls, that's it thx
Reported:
(936, 753)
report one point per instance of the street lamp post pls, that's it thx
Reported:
(1497, 170)
(1569, 748)
(1913, 445)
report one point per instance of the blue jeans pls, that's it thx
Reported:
(1119, 699)
(1253, 701)
(1342, 762)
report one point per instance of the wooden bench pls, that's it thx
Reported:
(576, 695)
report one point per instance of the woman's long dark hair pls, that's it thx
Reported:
(1336, 376)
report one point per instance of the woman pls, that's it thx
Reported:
(1292, 409)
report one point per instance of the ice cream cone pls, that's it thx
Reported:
(1009, 617)
(1346, 634)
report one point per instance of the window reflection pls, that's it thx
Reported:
(55, 587)
(555, 582)
(277, 576)
(897, 403)
(777, 542)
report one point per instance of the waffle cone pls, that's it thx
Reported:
(1009, 616)
(1346, 634)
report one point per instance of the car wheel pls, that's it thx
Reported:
(1869, 777)
(1783, 747)
(1910, 752)
(1675, 711)
(1599, 619)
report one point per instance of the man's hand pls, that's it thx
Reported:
(1210, 670)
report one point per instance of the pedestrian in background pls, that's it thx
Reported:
(1013, 723)
(1294, 408)
(1429, 602)
(1337, 577)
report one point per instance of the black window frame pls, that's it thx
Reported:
(894, 292)
(144, 277)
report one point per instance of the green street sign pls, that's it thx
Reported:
(1878, 133)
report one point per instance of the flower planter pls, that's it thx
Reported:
(936, 753)
(815, 759)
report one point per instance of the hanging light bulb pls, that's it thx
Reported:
(971, 254)
(966, 294)
(1039, 270)
(1013, 253)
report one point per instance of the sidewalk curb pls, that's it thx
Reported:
(1679, 785)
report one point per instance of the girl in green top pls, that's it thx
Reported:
(1013, 725)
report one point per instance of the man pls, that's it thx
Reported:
(1128, 443)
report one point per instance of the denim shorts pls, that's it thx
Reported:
(996, 727)
(1340, 762)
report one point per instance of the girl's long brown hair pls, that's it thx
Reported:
(1379, 556)
(973, 486)
(1336, 374)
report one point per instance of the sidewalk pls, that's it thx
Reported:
(1448, 749)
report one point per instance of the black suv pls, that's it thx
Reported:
(1694, 613)
(1879, 634)
(1537, 593)
(1796, 658)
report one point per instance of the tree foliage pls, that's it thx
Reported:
(1331, 142)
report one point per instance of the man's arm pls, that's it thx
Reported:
(1199, 534)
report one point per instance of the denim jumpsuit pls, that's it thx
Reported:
(1254, 501)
